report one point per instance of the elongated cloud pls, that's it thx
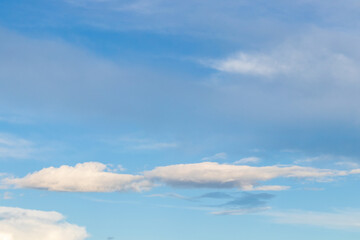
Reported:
(243, 63)
(17, 223)
(215, 175)
(338, 220)
(84, 177)
(95, 177)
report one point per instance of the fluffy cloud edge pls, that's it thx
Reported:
(18, 223)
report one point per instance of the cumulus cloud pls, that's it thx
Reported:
(84, 177)
(215, 175)
(17, 223)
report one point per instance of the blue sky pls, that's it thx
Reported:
(156, 119)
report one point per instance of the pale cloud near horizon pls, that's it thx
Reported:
(348, 219)
(18, 223)
(341, 219)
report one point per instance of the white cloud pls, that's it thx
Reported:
(18, 224)
(252, 64)
(339, 220)
(97, 177)
(84, 177)
(216, 156)
(215, 175)
(314, 56)
(248, 160)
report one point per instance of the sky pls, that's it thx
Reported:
(197, 120)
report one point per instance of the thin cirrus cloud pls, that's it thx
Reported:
(15, 147)
(83, 177)
(243, 63)
(134, 143)
(95, 177)
(247, 160)
(18, 223)
(216, 156)
(344, 219)
(313, 56)
(241, 211)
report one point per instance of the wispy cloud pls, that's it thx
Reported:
(252, 64)
(342, 219)
(134, 143)
(249, 201)
(241, 211)
(307, 59)
(247, 160)
(216, 195)
(216, 156)
(15, 147)
(328, 158)
(7, 196)
(348, 164)
(170, 195)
